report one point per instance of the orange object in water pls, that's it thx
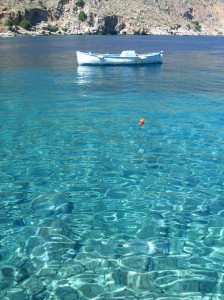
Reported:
(142, 122)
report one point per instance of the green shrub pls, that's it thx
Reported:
(80, 3)
(40, 3)
(25, 24)
(53, 28)
(7, 22)
(197, 26)
(82, 16)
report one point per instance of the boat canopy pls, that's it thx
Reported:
(128, 53)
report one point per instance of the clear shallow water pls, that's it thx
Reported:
(91, 207)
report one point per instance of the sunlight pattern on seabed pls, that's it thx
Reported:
(92, 205)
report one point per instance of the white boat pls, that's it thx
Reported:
(129, 57)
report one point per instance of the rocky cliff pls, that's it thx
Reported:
(112, 17)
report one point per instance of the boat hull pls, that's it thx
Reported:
(88, 59)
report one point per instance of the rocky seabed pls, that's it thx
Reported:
(56, 253)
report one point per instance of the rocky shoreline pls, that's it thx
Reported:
(43, 30)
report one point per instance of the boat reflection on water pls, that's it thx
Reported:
(84, 75)
(118, 79)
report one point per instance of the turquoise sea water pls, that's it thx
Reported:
(91, 206)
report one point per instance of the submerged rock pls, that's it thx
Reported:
(7, 272)
(91, 291)
(16, 294)
(33, 285)
(66, 293)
